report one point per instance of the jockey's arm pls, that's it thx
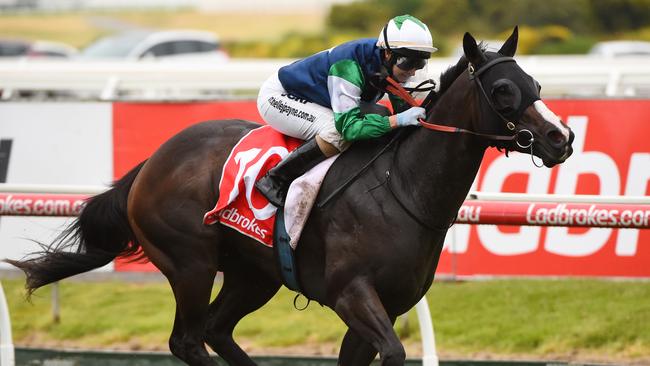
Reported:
(345, 83)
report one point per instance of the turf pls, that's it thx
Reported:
(588, 319)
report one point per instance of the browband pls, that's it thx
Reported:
(475, 73)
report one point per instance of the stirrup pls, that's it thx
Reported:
(273, 191)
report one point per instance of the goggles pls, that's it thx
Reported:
(410, 63)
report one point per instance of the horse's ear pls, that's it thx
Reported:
(510, 46)
(472, 52)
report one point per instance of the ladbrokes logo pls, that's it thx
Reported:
(233, 216)
(20, 205)
(594, 216)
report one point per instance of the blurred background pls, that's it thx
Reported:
(289, 29)
(578, 47)
(89, 88)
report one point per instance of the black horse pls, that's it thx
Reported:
(369, 254)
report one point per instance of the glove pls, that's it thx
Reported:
(410, 116)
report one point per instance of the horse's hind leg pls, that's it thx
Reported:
(361, 309)
(189, 265)
(245, 289)
(192, 288)
(355, 350)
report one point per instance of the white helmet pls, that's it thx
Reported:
(406, 32)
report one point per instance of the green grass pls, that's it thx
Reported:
(601, 320)
(544, 317)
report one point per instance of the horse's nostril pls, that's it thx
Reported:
(556, 138)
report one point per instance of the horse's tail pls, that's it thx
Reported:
(94, 239)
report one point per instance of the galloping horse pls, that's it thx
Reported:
(369, 254)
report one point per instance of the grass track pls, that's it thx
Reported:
(565, 319)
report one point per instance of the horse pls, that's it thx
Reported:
(369, 253)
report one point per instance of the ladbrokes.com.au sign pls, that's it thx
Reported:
(611, 157)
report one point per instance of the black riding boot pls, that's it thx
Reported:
(275, 184)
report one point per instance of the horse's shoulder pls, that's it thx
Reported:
(362, 151)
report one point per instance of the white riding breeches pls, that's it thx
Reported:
(296, 117)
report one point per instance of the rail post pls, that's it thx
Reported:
(6, 345)
(429, 354)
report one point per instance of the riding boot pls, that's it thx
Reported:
(275, 184)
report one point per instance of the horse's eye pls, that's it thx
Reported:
(502, 86)
(502, 89)
(506, 95)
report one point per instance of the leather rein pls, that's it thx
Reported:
(396, 89)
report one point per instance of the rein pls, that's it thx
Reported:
(396, 89)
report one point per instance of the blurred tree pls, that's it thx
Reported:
(363, 17)
(620, 15)
(445, 17)
(548, 26)
(399, 7)
(575, 14)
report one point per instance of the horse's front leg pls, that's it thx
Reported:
(361, 309)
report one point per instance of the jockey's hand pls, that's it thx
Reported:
(410, 116)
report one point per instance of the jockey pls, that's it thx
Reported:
(329, 99)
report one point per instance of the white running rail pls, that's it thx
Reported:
(429, 353)
(6, 345)
(581, 76)
(50, 188)
(473, 195)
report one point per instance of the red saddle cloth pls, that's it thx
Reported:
(240, 205)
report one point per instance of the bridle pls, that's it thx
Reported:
(396, 89)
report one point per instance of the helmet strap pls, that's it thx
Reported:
(388, 64)
(386, 36)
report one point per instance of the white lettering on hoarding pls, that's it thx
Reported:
(11, 205)
(526, 239)
(563, 216)
(636, 185)
(558, 239)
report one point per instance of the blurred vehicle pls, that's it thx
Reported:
(35, 49)
(620, 48)
(169, 45)
(18, 4)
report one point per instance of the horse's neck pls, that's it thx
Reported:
(437, 168)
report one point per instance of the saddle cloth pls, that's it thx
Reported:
(243, 208)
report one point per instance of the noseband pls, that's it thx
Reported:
(396, 89)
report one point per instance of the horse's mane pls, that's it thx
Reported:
(453, 72)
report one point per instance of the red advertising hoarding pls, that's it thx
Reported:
(612, 157)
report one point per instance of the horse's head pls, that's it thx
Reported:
(510, 103)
